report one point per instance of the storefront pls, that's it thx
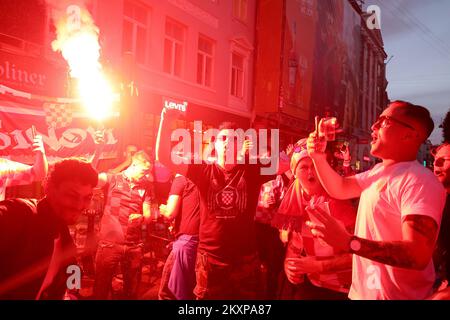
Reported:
(149, 106)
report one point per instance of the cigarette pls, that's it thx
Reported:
(33, 131)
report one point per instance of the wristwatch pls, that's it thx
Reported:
(355, 244)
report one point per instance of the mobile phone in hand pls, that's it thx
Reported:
(33, 131)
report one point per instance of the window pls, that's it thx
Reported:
(237, 75)
(240, 9)
(173, 47)
(205, 57)
(134, 37)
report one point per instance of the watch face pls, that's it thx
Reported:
(355, 245)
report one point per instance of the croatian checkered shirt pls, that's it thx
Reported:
(14, 174)
(122, 200)
(340, 281)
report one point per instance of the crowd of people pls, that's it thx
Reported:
(313, 230)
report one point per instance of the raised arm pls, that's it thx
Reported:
(414, 251)
(121, 166)
(99, 141)
(337, 187)
(130, 151)
(164, 143)
(40, 166)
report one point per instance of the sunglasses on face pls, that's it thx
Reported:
(385, 121)
(439, 162)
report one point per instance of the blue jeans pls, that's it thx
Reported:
(109, 255)
(178, 278)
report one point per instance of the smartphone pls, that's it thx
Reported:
(33, 131)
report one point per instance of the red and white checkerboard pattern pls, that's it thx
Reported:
(227, 198)
(58, 115)
(122, 200)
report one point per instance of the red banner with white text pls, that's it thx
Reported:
(66, 130)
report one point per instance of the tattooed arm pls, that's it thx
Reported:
(413, 251)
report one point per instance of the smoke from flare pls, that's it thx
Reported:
(77, 40)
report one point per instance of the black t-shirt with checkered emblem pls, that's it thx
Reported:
(228, 205)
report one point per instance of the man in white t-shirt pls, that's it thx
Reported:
(399, 213)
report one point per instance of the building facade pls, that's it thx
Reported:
(199, 54)
(278, 62)
(194, 53)
(373, 95)
(319, 58)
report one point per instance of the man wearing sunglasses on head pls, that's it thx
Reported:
(399, 213)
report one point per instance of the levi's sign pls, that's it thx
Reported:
(171, 104)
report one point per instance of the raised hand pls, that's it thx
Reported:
(290, 150)
(315, 145)
(38, 144)
(329, 230)
(247, 146)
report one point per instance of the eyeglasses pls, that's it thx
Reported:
(439, 162)
(384, 121)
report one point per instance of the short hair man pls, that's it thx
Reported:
(227, 263)
(35, 244)
(399, 211)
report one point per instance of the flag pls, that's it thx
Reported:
(58, 115)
